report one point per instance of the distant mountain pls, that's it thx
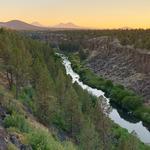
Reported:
(20, 25)
(37, 24)
(68, 25)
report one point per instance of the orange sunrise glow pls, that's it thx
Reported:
(86, 13)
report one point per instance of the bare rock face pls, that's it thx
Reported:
(122, 64)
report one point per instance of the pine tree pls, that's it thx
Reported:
(21, 62)
(89, 138)
(73, 115)
(6, 56)
(102, 123)
(61, 86)
(46, 101)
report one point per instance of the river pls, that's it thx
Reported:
(142, 132)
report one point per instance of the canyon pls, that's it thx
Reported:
(107, 57)
(122, 64)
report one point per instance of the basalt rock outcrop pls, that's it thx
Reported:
(122, 64)
(6, 139)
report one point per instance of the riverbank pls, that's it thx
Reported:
(122, 97)
(120, 128)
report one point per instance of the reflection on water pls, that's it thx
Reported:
(122, 120)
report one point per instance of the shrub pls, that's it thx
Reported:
(27, 97)
(115, 96)
(69, 146)
(12, 147)
(42, 140)
(17, 121)
(131, 102)
(109, 84)
(143, 113)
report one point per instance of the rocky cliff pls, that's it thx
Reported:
(122, 64)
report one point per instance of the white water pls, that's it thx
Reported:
(142, 132)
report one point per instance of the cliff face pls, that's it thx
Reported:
(122, 64)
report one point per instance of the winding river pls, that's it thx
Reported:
(142, 132)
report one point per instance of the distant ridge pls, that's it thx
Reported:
(20, 25)
(68, 25)
(37, 24)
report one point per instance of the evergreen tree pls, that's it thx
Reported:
(46, 102)
(21, 67)
(61, 86)
(102, 123)
(89, 138)
(73, 114)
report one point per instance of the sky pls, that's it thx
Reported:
(85, 13)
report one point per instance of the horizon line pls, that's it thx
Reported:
(79, 26)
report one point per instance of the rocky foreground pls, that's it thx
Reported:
(122, 64)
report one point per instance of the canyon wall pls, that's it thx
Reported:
(122, 64)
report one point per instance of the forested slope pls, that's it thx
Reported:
(40, 108)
